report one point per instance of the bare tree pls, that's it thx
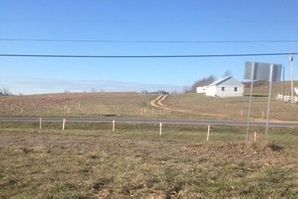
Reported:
(202, 82)
(227, 73)
(5, 92)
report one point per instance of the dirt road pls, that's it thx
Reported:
(159, 103)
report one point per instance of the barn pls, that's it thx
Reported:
(225, 87)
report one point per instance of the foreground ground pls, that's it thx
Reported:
(140, 163)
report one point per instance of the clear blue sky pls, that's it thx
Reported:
(137, 20)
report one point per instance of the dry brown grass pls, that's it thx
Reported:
(200, 106)
(75, 104)
(193, 106)
(84, 164)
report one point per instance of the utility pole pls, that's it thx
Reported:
(269, 101)
(283, 83)
(291, 58)
(250, 100)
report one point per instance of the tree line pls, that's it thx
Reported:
(207, 80)
(5, 92)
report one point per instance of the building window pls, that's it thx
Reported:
(235, 89)
(223, 88)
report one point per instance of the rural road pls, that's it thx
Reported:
(138, 120)
(158, 103)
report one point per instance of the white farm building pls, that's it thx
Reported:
(201, 89)
(225, 87)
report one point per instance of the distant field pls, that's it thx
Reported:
(141, 164)
(189, 106)
(75, 104)
(201, 106)
(262, 88)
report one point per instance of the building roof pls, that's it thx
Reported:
(229, 80)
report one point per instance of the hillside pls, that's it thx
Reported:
(186, 106)
(201, 106)
(261, 88)
(75, 104)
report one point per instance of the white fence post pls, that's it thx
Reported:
(141, 111)
(63, 124)
(160, 128)
(208, 132)
(255, 137)
(40, 121)
(114, 125)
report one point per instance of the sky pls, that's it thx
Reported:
(137, 20)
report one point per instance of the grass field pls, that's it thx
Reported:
(89, 161)
(75, 104)
(191, 105)
(201, 106)
(137, 162)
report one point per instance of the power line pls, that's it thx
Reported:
(146, 56)
(147, 41)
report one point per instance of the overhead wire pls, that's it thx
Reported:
(146, 56)
(146, 41)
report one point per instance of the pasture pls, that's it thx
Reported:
(75, 104)
(90, 161)
(192, 105)
(185, 106)
(137, 162)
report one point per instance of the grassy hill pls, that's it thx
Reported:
(190, 105)
(261, 88)
(75, 104)
(201, 106)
